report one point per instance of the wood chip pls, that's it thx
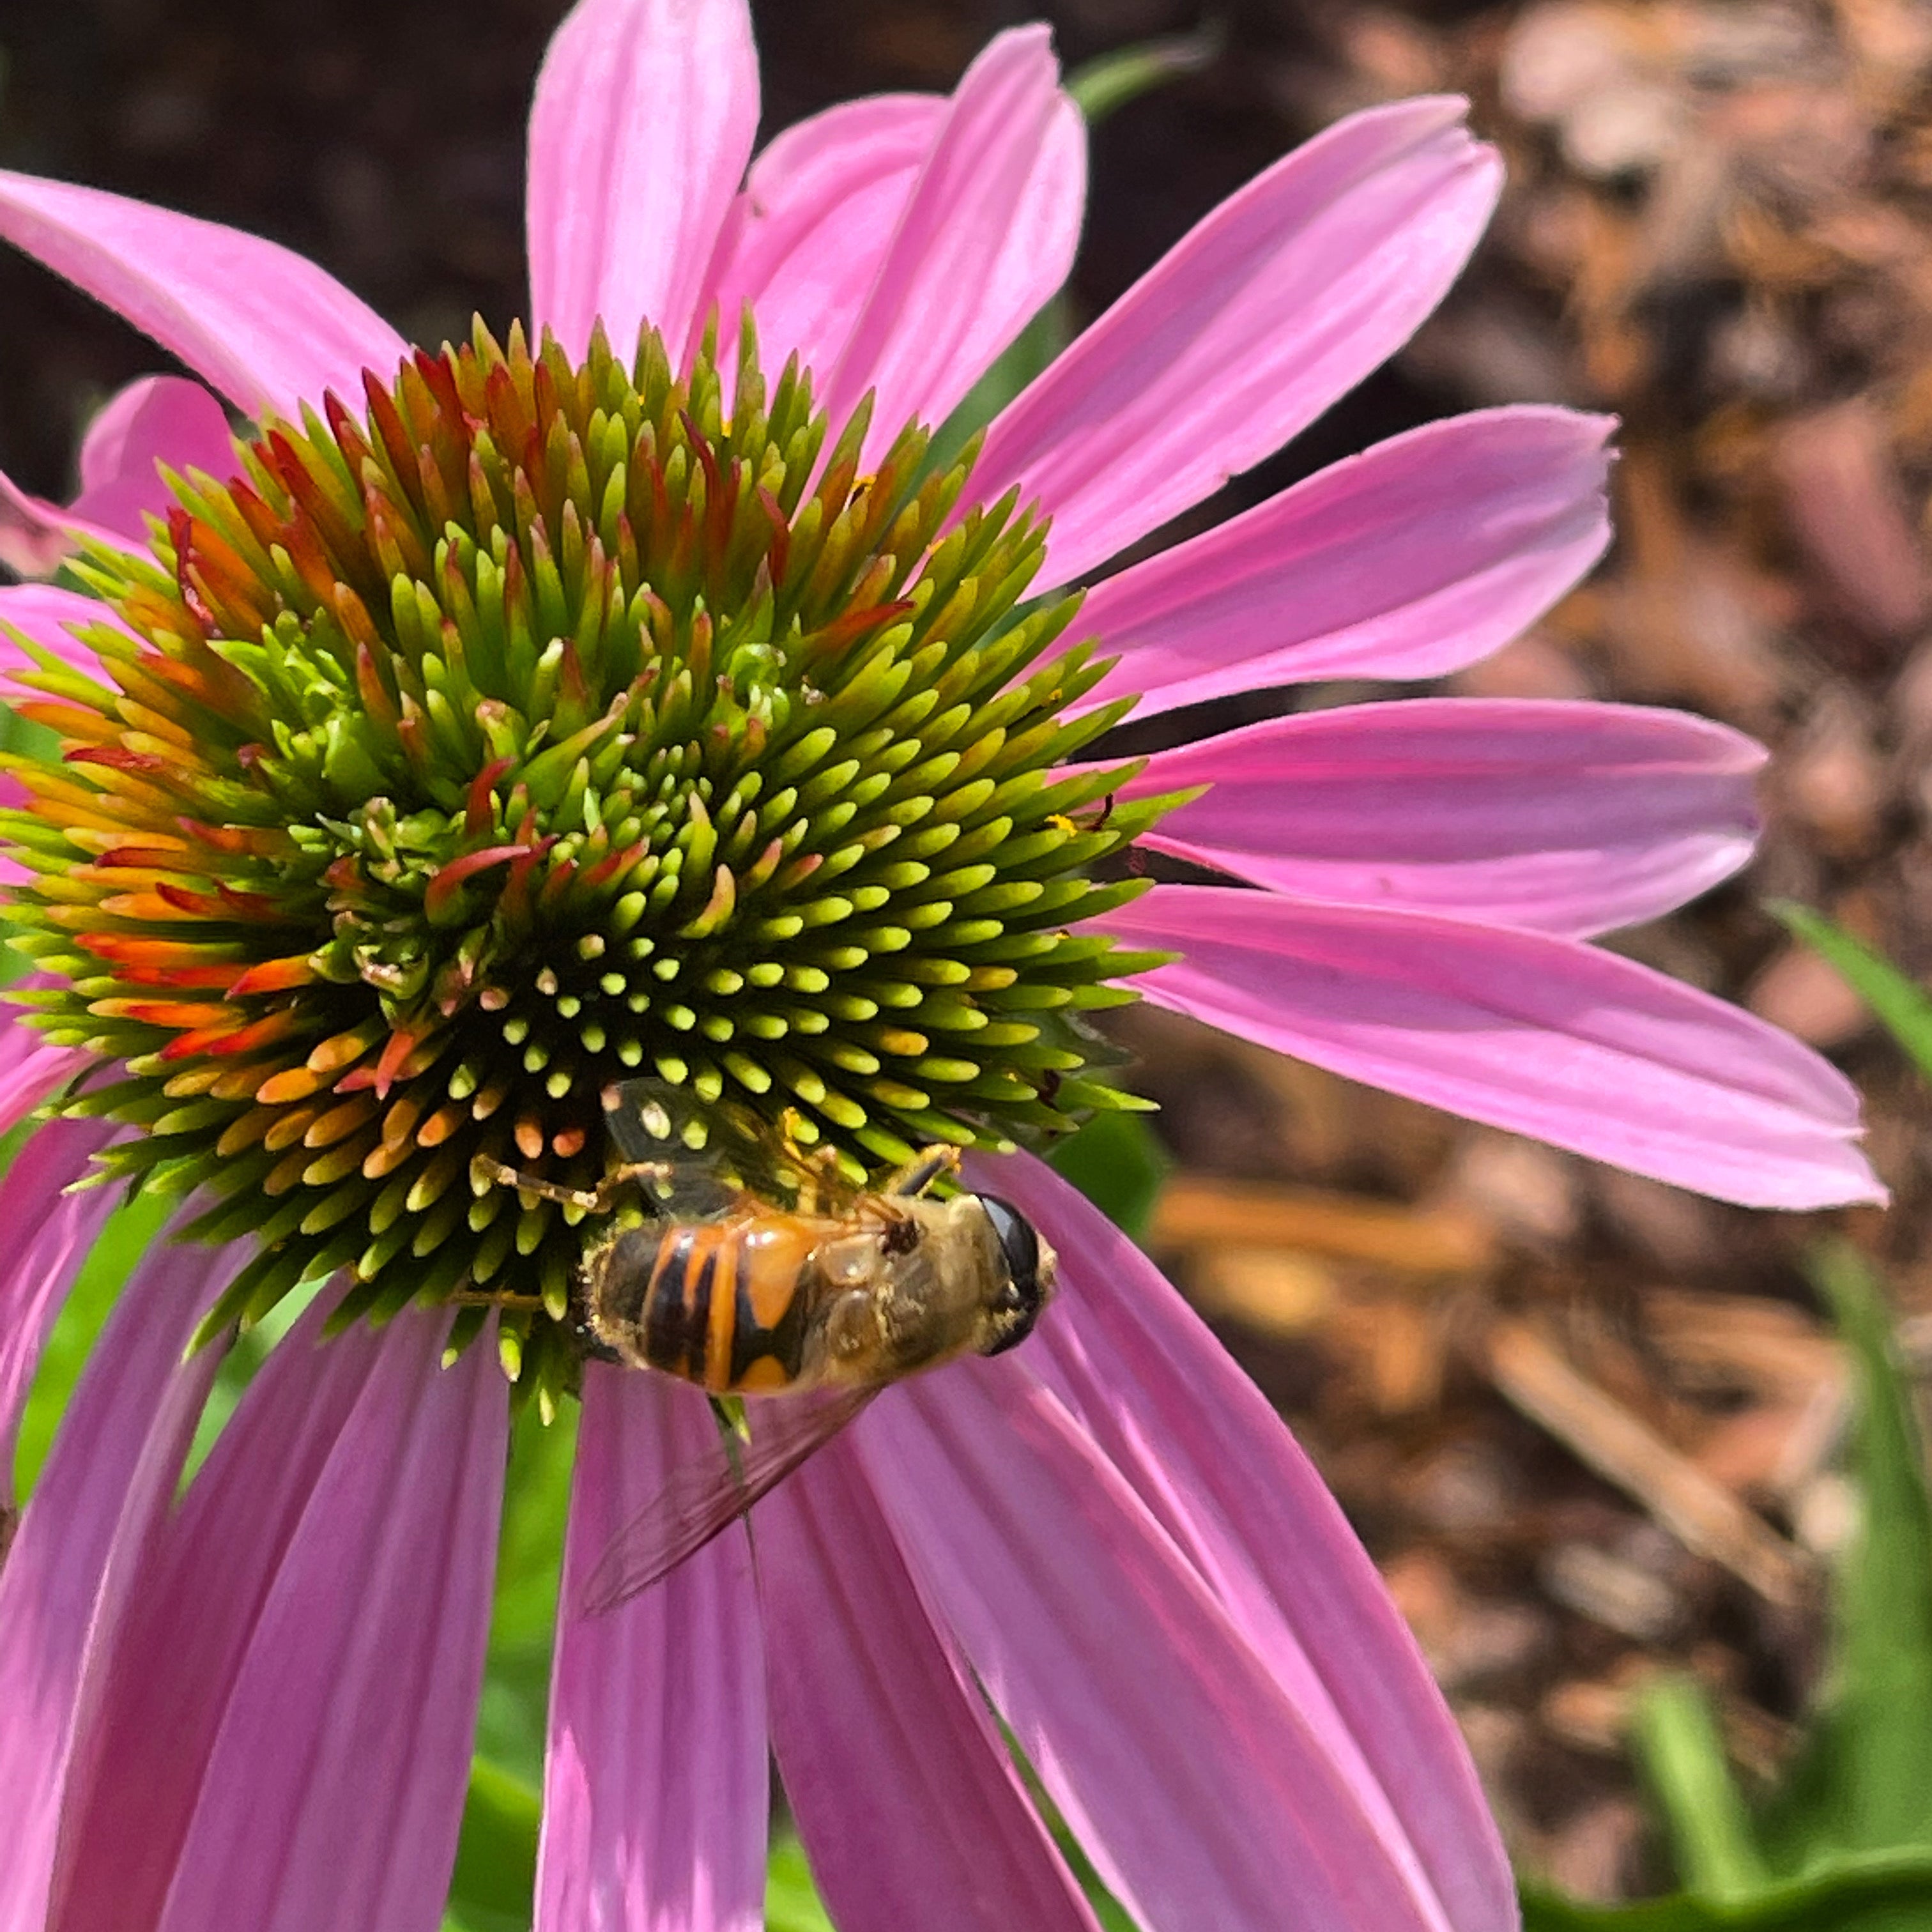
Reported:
(1624, 1450)
(1195, 1212)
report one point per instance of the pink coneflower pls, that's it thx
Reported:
(515, 718)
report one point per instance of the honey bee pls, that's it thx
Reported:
(812, 1308)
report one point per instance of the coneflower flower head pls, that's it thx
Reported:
(537, 728)
(504, 727)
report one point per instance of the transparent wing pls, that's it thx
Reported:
(706, 1494)
(707, 1146)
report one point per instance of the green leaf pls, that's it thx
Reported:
(522, 1620)
(1675, 1741)
(493, 1888)
(1112, 80)
(1116, 1162)
(1049, 332)
(495, 1878)
(1885, 1892)
(1901, 1006)
(792, 1903)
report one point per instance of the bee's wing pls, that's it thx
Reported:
(704, 1495)
(711, 1148)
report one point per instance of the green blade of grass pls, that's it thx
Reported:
(1675, 1741)
(1872, 1778)
(1903, 1008)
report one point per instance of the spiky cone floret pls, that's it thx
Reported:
(540, 728)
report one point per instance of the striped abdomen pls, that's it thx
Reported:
(724, 1303)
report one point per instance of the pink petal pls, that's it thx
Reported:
(655, 1787)
(804, 242)
(1566, 818)
(1562, 1042)
(264, 326)
(77, 1559)
(987, 234)
(159, 419)
(1415, 558)
(35, 533)
(1202, 1449)
(1277, 304)
(1203, 1795)
(902, 1788)
(48, 1232)
(283, 1739)
(48, 616)
(31, 1069)
(643, 120)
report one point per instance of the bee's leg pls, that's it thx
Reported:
(481, 1297)
(922, 1170)
(593, 1200)
(649, 1175)
(820, 1180)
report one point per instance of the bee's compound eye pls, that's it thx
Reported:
(1024, 1297)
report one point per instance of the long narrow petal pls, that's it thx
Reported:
(77, 1558)
(1558, 1041)
(159, 419)
(656, 1786)
(30, 1070)
(264, 325)
(284, 1738)
(987, 234)
(902, 1789)
(1206, 1453)
(1203, 1795)
(644, 117)
(1420, 556)
(1572, 819)
(48, 1232)
(804, 241)
(1276, 305)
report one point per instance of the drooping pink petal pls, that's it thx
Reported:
(48, 1234)
(1562, 1042)
(1281, 301)
(1204, 1795)
(159, 419)
(987, 234)
(1202, 1449)
(77, 1558)
(902, 1789)
(1420, 556)
(803, 242)
(643, 120)
(282, 1740)
(47, 616)
(1572, 819)
(264, 325)
(655, 1788)
(31, 1069)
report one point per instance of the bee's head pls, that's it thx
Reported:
(1029, 1264)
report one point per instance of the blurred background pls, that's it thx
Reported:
(1590, 1426)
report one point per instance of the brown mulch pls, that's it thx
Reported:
(1588, 1423)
